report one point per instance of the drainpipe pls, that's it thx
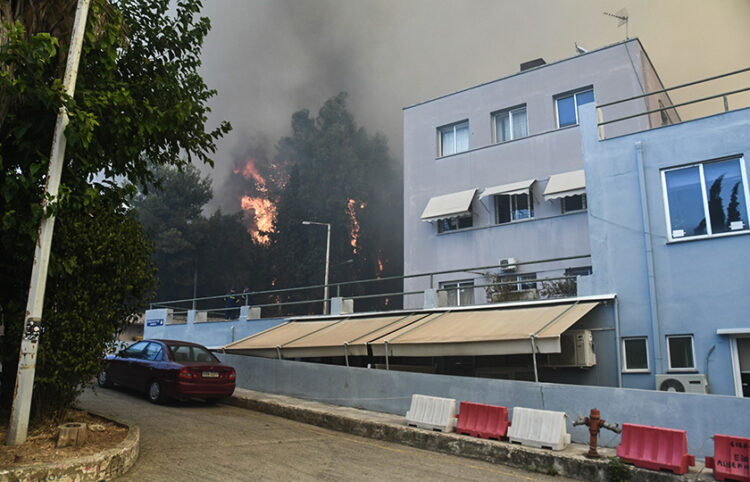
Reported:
(533, 357)
(346, 352)
(655, 325)
(278, 351)
(385, 344)
(617, 342)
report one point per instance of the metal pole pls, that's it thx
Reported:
(19, 419)
(326, 305)
(533, 357)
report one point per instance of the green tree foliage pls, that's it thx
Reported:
(138, 100)
(344, 177)
(217, 251)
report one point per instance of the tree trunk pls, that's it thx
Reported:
(71, 434)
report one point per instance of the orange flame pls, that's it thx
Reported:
(351, 211)
(259, 209)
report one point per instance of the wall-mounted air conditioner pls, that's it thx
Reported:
(576, 350)
(507, 264)
(688, 383)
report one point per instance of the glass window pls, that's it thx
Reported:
(635, 353)
(460, 293)
(680, 350)
(513, 207)
(713, 190)
(567, 106)
(573, 203)
(519, 282)
(579, 271)
(452, 224)
(153, 352)
(135, 350)
(454, 138)
(511, 124)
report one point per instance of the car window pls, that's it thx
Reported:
(186, 353)
(153, 352)
(135, 350)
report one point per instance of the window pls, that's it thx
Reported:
(680, 353)
(512, 207)
(510, 124)
(573, 203)
(579, 271)
(454, 138)
(152, 352)
(460, 293)
(452, 224)
(706, 199)
(136, 350)
(635, 355)
(568, 104)
(525, 281)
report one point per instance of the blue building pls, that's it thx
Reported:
(668, 222)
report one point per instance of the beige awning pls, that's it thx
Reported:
(566, 184)
(460, 333)
(448, 205)
(521, 187)
(485, 332)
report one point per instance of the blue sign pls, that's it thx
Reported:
(155, 322)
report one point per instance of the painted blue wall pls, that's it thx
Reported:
(699, 285)
(209, 333)
(390, 391)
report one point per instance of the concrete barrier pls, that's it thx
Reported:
(543, 429)
(432, 413)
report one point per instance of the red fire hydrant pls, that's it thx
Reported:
(595, 423)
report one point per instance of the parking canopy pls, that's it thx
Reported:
(496, 331)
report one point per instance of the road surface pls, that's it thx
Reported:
(194, 441)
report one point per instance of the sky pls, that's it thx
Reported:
(270, 58)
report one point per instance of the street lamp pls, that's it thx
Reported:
(328, 255)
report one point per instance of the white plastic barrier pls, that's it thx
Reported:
(432, 413)
(539, 428)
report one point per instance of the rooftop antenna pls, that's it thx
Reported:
(622, 17)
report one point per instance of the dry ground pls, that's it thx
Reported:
(40, 443)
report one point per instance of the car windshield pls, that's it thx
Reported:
(189, 353)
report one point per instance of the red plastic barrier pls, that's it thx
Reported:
(655, 448)
(731, 458)
(484, 421)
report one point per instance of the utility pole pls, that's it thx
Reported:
(32, 329)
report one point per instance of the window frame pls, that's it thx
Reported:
(453, 126)
(520, 281)
(508, 113)
(584, 203)
(625, 368)
(458, 220)
(672, 369)
(458, 286)
(574, 94)
(511, 202)
(705, 199)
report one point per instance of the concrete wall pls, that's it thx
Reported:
(390, 391)
(698, 285)
(614, 74)
(207, 333)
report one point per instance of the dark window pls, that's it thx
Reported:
(568, 104)
(573, 203)
(680, 352)
(452, 224)
(635, 354)
(513, 207)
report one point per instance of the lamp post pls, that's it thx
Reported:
(328, 256)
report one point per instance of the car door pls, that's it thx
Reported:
(142, 368)
(120, 367)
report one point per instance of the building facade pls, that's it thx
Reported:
(668, 221)
(494, 175)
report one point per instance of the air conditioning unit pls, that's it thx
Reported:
(688, 383)
(507, 264)
(576, 350)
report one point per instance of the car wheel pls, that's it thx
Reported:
(103, 379)
(155, 394)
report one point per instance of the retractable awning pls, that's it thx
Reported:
(566, 184)
(520, 187)
(498, 331)
(490, 332)
(448, 205)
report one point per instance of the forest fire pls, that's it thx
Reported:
(259, 209)
(351, 211)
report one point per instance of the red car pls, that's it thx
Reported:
(169, 369)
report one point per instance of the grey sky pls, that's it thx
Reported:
(270, 58)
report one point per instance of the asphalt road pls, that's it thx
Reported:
(194, 441)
